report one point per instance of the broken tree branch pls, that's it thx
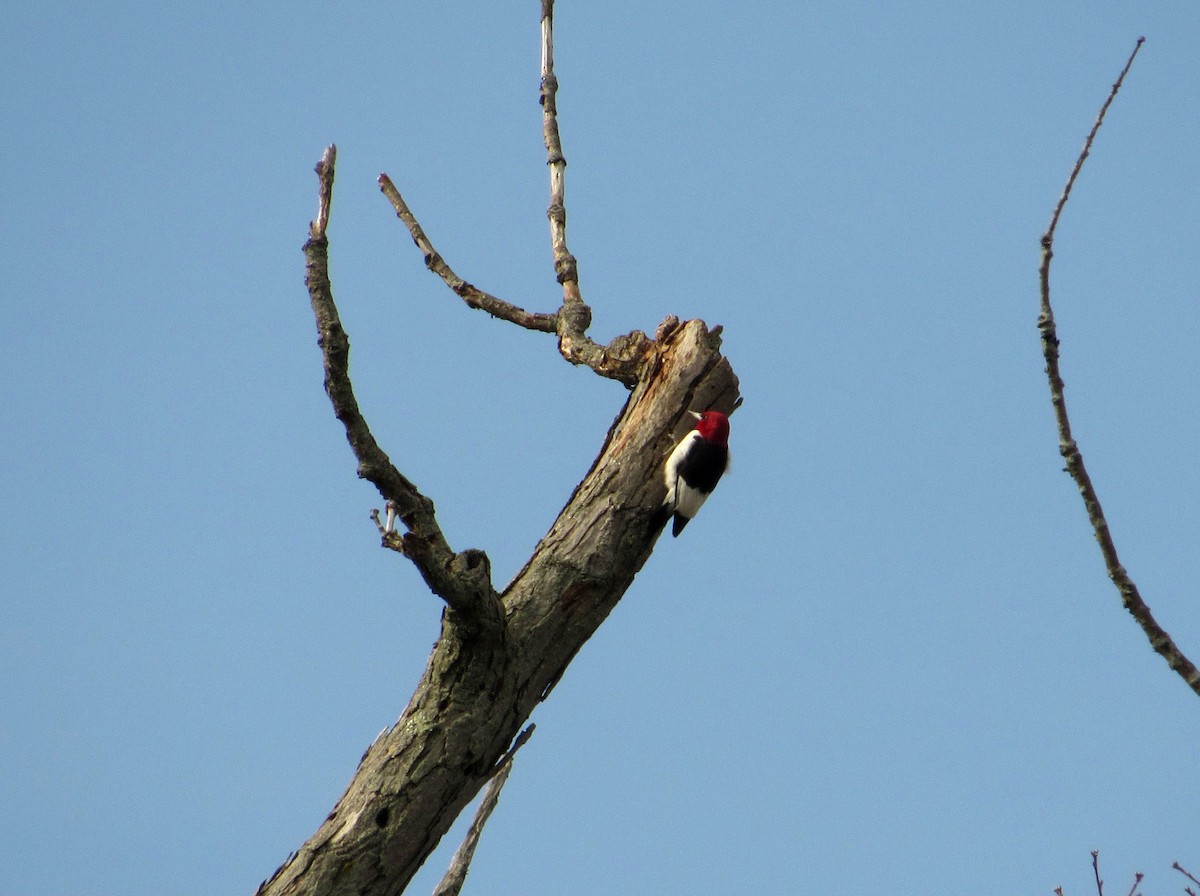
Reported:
(456, 874)
(1130, 596)
(462, 580)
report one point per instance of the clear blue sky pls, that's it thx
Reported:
(886, 657)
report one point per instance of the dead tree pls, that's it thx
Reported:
(499, 653)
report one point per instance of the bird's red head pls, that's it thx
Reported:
(713, 426)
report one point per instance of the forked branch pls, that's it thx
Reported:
(623, 358)
(1130, 596)
(498, 656)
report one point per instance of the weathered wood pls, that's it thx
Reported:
(499, 655)
(478, 689)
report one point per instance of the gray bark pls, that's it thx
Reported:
(483, 680)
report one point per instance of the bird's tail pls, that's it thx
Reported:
(659, 521)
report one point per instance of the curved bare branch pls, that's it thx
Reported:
(462, 580)
(1130, 596)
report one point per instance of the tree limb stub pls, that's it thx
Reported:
(1132, 599)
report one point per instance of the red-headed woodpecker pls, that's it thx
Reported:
(695, 467)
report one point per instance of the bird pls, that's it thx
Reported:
(694, 467)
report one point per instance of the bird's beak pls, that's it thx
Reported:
(696, 414)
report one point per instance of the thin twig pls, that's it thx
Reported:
(456, 874)
(1087, 144)
(1137, 879)
(1185, 872)
(1132, 599)
(471, 294)
(1096, 869)
(462, 580)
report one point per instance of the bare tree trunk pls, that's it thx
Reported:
(482, 684)
(499, 654)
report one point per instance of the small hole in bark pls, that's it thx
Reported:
(381, 817)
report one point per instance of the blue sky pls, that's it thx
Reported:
(885, 658)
